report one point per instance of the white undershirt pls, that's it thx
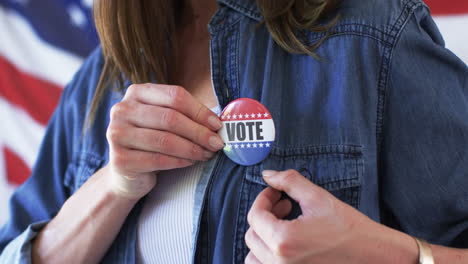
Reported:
(165, 224)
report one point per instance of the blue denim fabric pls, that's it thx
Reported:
(380, 121)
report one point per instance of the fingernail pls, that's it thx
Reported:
(208, 154)
(215, 123)
(216, 142)
(268, 173)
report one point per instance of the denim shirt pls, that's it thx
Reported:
(380, 121)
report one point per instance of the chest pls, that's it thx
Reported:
(192, 70)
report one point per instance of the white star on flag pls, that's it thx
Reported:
(87, 3)
(77, 16)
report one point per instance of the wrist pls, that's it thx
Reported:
(380, 244)
(117, 188)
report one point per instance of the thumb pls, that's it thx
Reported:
(310, 197)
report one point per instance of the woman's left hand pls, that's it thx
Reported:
(326, 232)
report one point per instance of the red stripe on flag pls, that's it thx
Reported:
(16, 170)
(444, 7)
(37, 97)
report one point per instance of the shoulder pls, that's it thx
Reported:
(85, 80)
(378, 13)
(381, 19)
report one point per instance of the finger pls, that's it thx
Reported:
(150, 140)
(167, 119)
(136, 161)
(251, 259)
(282, 208)
(257, 247)
(260, 216)
(295, 185)
(177, 98)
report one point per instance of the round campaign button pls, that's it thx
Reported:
(248, 131)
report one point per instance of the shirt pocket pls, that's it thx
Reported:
(80, 169)
(336, 168)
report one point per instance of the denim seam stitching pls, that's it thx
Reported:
(236, 231)
(249, 13)
(396, 31)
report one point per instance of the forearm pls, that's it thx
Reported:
(86, 225)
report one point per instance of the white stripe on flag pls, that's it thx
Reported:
(453, 29)
(24, 49)
(20, 133)
(6, 190)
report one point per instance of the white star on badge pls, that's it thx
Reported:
(267, 145)
(265, 114)
(234, 116)
(248, 145)
(241, 116)
(261, 145)
(255, 145)
(259, 115)
(252, 115)
(242, 145)
(236, 146)
(229, 116)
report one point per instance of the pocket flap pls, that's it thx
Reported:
(332, 167)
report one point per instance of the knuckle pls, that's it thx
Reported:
(283, 249)
(250, 217)
(114, 133)
(156, 158)
(248, 236)
(118, 110)
(195, 151)
(169, 119)
(163, 142)
(283, 244)
(176, 95)
(132, 90)
(289, 176)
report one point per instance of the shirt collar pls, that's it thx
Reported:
(246, 7)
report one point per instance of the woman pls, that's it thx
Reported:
(370, 113)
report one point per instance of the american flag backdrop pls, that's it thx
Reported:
(43, 42)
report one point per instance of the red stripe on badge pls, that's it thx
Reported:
(452, 7)
(17, 170)
(37, 97)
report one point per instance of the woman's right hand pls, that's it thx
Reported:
(154, 128)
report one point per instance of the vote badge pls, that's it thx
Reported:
(248, 131)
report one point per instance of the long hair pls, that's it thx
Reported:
(137, 36)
